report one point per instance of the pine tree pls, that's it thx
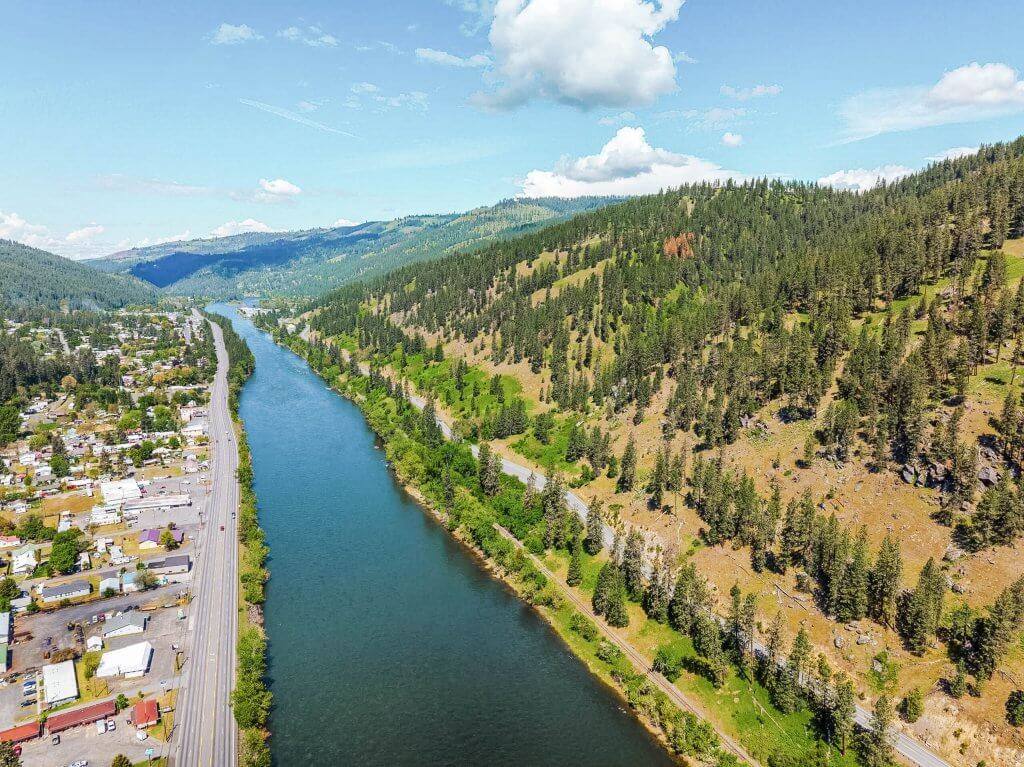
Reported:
(575, 575)
(602, 591)
(616, 614)
(841, 715)
(876, 745)
(633, 564)
(923, 611)
(595, 527)
(853, 591)
(885, 582)
(627, 468)
(958, 684)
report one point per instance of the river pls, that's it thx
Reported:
(389, 644)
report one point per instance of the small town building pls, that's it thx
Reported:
(85, 715)
(69, 590)
(59, 683)
(124, 624)
(145, 714)
(172, 565)
(130, 662)
(120, 490)
(25, 560)
(150, 539)
(21, 733)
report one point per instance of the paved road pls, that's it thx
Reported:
(910, 748)
(635, 656)
(206, 735)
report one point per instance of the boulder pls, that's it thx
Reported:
(909, 474)
(863, 639)
(839, 642)
(953, 553)
(988, 476)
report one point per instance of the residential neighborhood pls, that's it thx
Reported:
(103, 492)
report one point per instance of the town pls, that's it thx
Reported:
(104, 488)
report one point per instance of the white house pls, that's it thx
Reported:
(104, 515)
(130, 662)
(25, 561)
(110, 583)
(69, 590)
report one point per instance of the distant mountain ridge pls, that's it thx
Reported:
(313, 261)
(33, 277)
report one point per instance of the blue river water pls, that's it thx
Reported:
(388, 643)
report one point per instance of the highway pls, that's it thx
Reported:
(911, 749)
(205, 732)
(908, 747)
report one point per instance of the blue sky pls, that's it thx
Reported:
(131, 123)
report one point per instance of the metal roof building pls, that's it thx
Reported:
(59, 683)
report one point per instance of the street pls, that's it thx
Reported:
(206, 734)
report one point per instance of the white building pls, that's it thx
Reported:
(59, 683)
(130, 662)
(124, 625)
(120, 490)
(24, 561)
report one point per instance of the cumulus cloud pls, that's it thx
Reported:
(234, 34)
(279, 187)
(312, 36)
(967, 94)
(626, 165)
(229, 228)
(863, 179)
(757, 91)
(953, 154)
(344, 222)
(586, 53)
(446, 59)
(78, 243)
(732, 139)
(85, 234)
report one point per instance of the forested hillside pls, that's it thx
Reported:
(311, 262)
(822, 380)
(34, 277)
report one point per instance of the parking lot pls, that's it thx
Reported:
(84, 743)
(164, 630)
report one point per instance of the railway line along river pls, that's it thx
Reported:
(389, 644)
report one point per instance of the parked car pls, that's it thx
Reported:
(55, 740)
(27, 703)
(101, 726)
(111, 725)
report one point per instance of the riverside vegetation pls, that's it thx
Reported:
(470, 496)
(250, 700)
(662, 352)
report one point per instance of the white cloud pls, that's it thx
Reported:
(374, 95)
(293, 117)
(234, 34)
(14, 227)
(451, 60)
(229, 228)
(757, 91)
(344, 222)
(582, 52)
(77, 244)
(682, 57)
(312, 36)
(862, 179)
(626, 165)
(732, 139)
(953, 154)
(482, 12)
(309, 106)
(279, 187)
(619, 119)
(967, 94)
(715, 118)
(85, 234)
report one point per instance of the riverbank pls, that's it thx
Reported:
(250, 698)
(444, 476)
